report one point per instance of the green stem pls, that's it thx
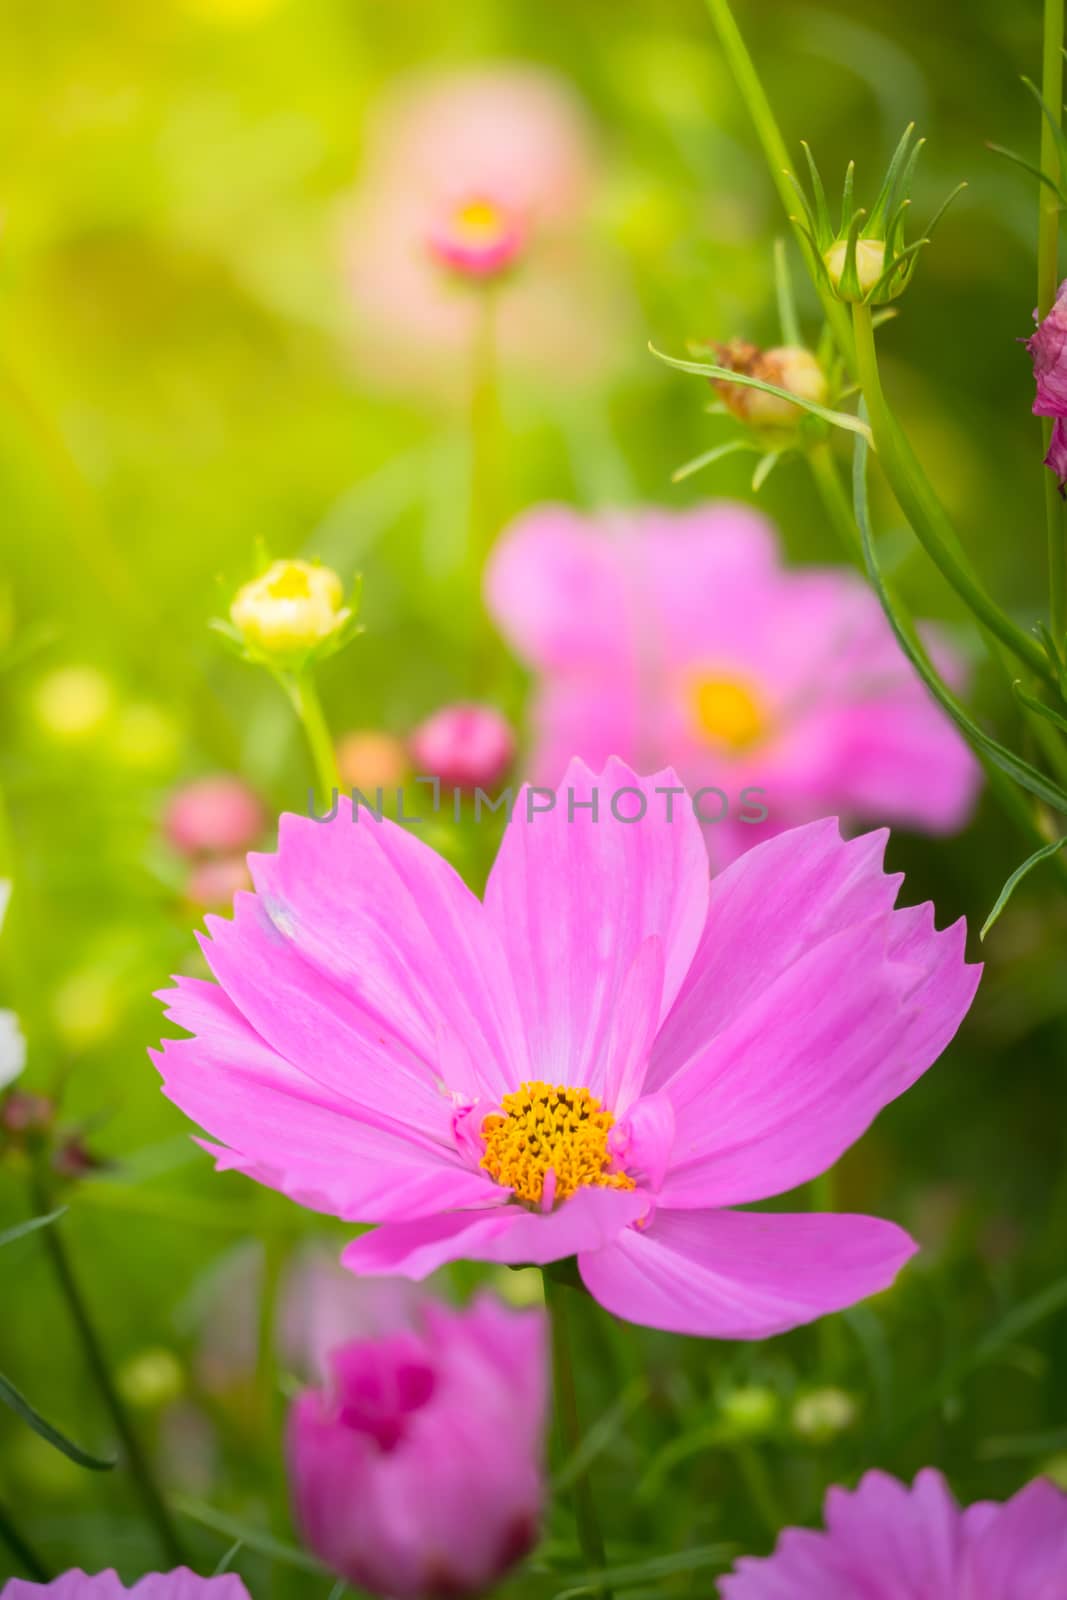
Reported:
(1048, 252)
(923, 511)
(760, 1488)
(308, 707)
(836, 501)
(567, 1420)
(774, 148)
(136, 1456)
(484, 462)
(24, 1553)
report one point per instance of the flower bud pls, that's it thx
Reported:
(870, 264)
(822, 1413)
(751, 1409)
(786, 366)
(369, 760)
(479, 238)
(211, 885)
(467, 746)
(219, 815)
(417, 1470)
(291, 608)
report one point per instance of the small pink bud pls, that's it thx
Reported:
(213, 816)
(369, 760)
(417, 1471)
(467, 746)
(478, 238)
(212, 884)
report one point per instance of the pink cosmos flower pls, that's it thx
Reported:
(467, 746)
(680, 638)
(1048, 347)
(603, 1059)
(417, 1471)
(181, 1584)
(477, 166)
(885, 1541)
(218, 815)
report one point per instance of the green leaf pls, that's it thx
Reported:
(764, 467)
(824, 229)
(838, 419)
(1026, 776)
(710, 456)
(227, 1561)
(263, 1543)
(1027, 166)
(1017, 877)
(700, 1558)
(887, 194)
(22, 1408)
(1058, 135)
(1039, 707)
(21, 1229)
(601, 1434)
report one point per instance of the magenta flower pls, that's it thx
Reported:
(592, 1062)
(681, 640)
(467, 746)
(477, 237)
(1048, 347)
(417, 1471)
(181, 1584)
(885, 1541)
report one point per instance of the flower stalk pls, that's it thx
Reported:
(23, 1552)
(304, 698)
(568, 1422)
(1048, 239)
(136, 1455)
(922, 509)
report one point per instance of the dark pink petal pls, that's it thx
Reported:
(574, 896)
(509, 1235)
(286, 1131)
(784, 1090)
(1048, 348)
(743, 1274)
(1056, 458)
(388, 921)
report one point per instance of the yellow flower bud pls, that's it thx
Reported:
(870, 262)
(294, 606)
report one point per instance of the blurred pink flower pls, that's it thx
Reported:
(680, 638)
(477, 238)
(467, 746)
(212, 884)
(1048, 347)
(181, 1584)
(884, 1541)
(219, 815)
(417, 1470)
(512, 134)
(380, 1045)
(368, 759)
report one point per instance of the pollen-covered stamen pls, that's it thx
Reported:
(550, 1128)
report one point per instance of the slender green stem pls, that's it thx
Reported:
(136, 1455)
(923, 511)
(308, 707)
(760, 1489)
(836, 501)
(774, 149)
(1048, 254)
(484, 470)
(23, 1552)
(568, 1423)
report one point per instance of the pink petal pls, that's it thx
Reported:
(912, 1535)
(288, 1132)
(743, 1274)
(385, 919)
(574, 899)
(1019, 1549)
(509, 1235)
(774, 905)
(313, 1021)
(803, 1071)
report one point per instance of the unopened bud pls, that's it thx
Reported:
(786, 366)
(823, 1413)
(750, 1409)
(291, 608)
(870, 262)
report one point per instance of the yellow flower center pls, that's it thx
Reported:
(550, 1128)
(727, 712)
(478, 221)
(291, 583)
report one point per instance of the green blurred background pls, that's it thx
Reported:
(180, 379)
